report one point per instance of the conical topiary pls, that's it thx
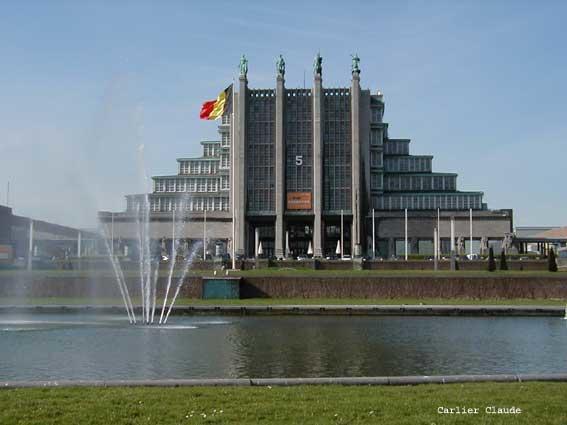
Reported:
(503, 263)
(491, 262)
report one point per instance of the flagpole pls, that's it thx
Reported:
(471, 236)
(406, 234)
(342, 239)
(232, 185)
(373, 235)
(438, 233)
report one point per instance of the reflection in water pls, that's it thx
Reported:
(70, 346)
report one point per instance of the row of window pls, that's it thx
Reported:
(260, 154)
(337, 152)
(219, 203)
(420, 183)
(192, 185)
(396, 147)
(198, 167)
(415, 164)
(211, 150)
(428, 202)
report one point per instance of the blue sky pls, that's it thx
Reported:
(481, 85)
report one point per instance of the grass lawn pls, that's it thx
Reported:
(540, 403)
(289, 301)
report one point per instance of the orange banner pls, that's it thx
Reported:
(299, 200)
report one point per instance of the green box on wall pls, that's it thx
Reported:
(221, 288)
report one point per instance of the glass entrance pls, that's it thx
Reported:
(300, 235)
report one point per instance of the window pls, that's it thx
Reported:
(375, 115)
(159, 186)
(171, 185)
(225, 160)
(375, 137)
(225, 139)
(376, 181)
(375, 158)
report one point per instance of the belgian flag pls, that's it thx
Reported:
(214, 109)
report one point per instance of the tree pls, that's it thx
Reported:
(491, 262)
(551, 263)
(503, 263)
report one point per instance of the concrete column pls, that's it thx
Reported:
(79, 244)
(280, 167)
(318, 166)
(355, 165)
(239, 164)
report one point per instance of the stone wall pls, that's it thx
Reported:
(405, 287)
(87, 287)
(504, 287)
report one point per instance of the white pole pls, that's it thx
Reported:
(406, 233)
(112, 233)
(256, 242)
(373, 235)
(287, 243)
(233, 242)
(79, 244)
(8, 194)
(172, 235)
(471, 250)
(452, 235)
(30, 246)
(342, 239)
(435, 241)
(438, 233)
(204, 232)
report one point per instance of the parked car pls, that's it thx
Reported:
(346, 258)
(302, 257)
(473, 257)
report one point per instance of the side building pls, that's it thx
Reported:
(197, 198)
(315, 172)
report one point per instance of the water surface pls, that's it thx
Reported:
(76, 346)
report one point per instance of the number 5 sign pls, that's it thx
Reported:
(298, 160)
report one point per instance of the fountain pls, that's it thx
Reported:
(149, 263)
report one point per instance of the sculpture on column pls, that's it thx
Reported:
(318, 65)
(355, 63)
(483, 245)
(243, 66)
(280, 65)
(460, 246)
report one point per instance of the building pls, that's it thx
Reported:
(47, 239)
(311, 168)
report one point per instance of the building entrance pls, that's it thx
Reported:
(333, 237)
(300, 235)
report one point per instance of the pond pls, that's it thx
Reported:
(88, 346)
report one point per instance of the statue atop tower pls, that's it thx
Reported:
(318, 64)
(243, 66)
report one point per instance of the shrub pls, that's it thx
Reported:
(491, 262)
(551, 263)
(503, 263)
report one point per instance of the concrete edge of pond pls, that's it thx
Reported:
(315, 310)
(268, 382)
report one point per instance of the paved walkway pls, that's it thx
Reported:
(341, 310)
